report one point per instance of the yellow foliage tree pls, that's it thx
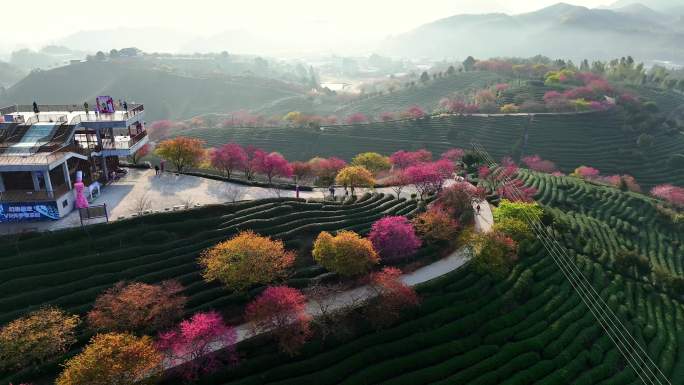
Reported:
(372, 161)
(346, 253)
(36, 337)
(509, 108)
(182, 151)
(355, 176)
(293, 117)
(114, 358)
(245, 260)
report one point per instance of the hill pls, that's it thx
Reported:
(560, 30)
(165, 95)
(530, 327)
(658, 5)
(9, 74)
(70, 268)
(594, 139)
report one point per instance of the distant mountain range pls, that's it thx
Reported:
(561, 30)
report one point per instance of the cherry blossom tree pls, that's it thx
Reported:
(394, 238)
(301, 170)
(586, 172)
(454, 154)
(228, 157)
(536, 163)
(326, 169)
(195, 343)
(271, 165)
(669, 193)
(403, 159)
(387, 116)
(414, 112)
(281, 310)
(398, 180)
(426, 178)
(357, 118)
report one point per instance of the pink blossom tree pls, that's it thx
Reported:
(586, 172)
(398, 180)
(357, 118)
(403, 159)
(387, 116)
(326, 169)
(228, 157)
(454, 154)
(669, 193)
(195, 342)
(393, 297)
(414, 112)
(271, 165)
(426, 178)
(394, 238)
(301, 171)
(536, 163)
(281, 310)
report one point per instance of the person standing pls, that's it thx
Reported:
(478, 209)
(156, 170)
(297, 190)
(332, 192)
(125, 106)
(161, 165)
(35, 108)
(85, 108)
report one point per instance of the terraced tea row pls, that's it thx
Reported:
(71, 268)
(594, 139)
(528, 328)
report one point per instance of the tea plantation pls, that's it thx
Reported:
(593, 139)
(528, 328)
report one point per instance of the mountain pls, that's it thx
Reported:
(9, 74)
(147, 39)
(165, 95)
(658, 5)
(561, 30)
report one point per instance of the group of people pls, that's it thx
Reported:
(120, 104)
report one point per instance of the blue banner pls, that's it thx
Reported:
(28, 211)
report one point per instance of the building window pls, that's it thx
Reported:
(65, 203)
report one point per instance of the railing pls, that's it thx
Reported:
(32, 196)
(109, 144)
(115, 116)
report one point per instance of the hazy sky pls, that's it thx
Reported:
(48, 20)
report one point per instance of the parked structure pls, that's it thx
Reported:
(41, 153)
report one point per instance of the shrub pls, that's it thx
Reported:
(114, 359)
(138, 307)
(282, 311)
(495, 253)
(394, 238)
(245, 260)
(36, 337)
(515, 228)
(522, 211)
(346, 253)
(436, 225)
(195, 341)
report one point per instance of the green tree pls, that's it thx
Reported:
(523, 211)
(469, 63)
(424, 77)
(451, 71)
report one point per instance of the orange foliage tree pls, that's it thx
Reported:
(182, 151)
(436, 225)
(346, 253)
(36, 337)
(114, 358)
(138, 307)
(245, 260)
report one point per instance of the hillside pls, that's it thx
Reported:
(70, 268)
(594, 139)
(165, 95)
(530, 327)
(549, 31)
(9, 74)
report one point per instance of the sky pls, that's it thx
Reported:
(350, 20)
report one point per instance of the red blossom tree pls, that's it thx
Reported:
(394, 238)
(393, 297)
(301, 170)
(281, 310)
(229, 157)
(195, 342)
(326, 169)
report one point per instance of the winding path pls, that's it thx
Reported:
(483, 223)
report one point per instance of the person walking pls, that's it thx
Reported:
(332, 192)
(478, 209)
(297, 190)
(156, 170)
(125, 106)
(85, 108)
(35, 108)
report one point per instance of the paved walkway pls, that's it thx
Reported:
(164, 192)
(353, 297)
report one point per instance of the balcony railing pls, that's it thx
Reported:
(32, 196)
(123, 144)
(115, 116)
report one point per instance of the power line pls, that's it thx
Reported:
(635, 356)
